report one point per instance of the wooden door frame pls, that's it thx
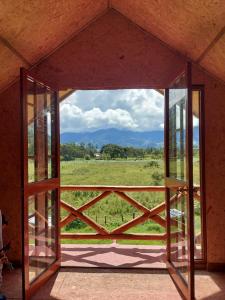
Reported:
(31, 188)
(186, 288)
(202, 263)
(44, 277)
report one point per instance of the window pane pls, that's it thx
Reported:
(30, 133)
(41, 132)
(177, 115)
(196, 175)
(179, 237)
(42, 232)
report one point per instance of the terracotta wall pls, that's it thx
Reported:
(114, 53)
(111, 53)
(214, 106)
(10, 166)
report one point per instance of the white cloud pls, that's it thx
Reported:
(136, 109)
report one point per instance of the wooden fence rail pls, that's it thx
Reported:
(119, 232)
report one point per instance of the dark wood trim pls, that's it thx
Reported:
(173, 183)
(57, 172)
(202, 175)
(189, 170)
(22, 101)
(215, 267)
(166, 164)
(112, 188)
(200, 264)
(201, 90)
(120, 236)
(42, 186)
(29, 74)
(24, 91)
(32, 189)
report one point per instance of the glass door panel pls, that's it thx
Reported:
(42, 233)
(197, 169)
(41, 116)
(177, 134)
(177, 170)
(180, 229)
(40, 181)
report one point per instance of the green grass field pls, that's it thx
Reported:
(113, 211)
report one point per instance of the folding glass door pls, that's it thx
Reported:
(179, 182)
(40, 159)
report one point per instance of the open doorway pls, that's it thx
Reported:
(112, 177)
(42, 190)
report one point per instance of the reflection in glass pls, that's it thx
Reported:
(42, 233)
(196, 174)
(41, 132)
(177, 115)
(177, 170)
(30, 134)
(179, 238)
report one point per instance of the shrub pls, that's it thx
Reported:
(152, 164)
(76, 224)
(157, 177)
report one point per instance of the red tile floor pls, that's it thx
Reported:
(114, 272)
(108, 284)
(113, 256)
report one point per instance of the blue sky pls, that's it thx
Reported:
(136, 109)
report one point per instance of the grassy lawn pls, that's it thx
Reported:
(110, 172)
(112, 211)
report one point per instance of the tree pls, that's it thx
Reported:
(114, 151)
(71, 151)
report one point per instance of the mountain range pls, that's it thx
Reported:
(115, 136)
(120, 137)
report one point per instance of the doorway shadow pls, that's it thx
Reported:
(113, 256)
(210, 285)
(91, 283)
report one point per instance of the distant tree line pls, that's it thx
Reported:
(88, 151)
(72, 151)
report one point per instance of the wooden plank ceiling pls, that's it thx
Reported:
(30, 30)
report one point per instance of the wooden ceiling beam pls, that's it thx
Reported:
(7, 44)
(211, 45)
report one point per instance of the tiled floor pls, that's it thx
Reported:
(108, 284)
(114, 272)
(122, 284)
(12, 284)
(210, 286)
(113, 255)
